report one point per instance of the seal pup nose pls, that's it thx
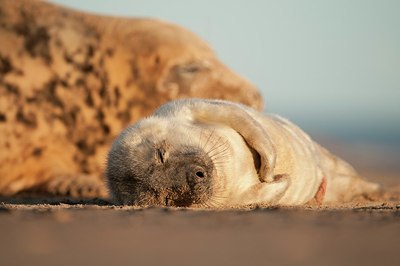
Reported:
(200, 174)
(161, 155)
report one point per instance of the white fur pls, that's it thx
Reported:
(292, 165)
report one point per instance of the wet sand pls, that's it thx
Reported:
(50, 231)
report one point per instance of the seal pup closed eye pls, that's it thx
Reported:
(71, 81)
(219, 154)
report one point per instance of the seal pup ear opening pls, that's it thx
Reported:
(240, 118)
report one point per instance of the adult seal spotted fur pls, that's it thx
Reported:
(71, 81)
(214, 153)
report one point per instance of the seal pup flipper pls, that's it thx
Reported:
(344, 182)
(239, 118)
(266, 193)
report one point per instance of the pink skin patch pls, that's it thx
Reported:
(319, 196)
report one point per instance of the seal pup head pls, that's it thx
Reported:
(156, 163)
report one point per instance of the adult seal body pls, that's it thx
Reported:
(71, 81)
(221, 154)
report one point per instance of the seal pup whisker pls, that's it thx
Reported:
(217, 145)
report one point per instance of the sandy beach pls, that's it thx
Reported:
(65, 235)
(38, 230)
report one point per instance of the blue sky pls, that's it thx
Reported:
(331, 66)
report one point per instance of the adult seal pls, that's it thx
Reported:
(220, 154)
(71, 81)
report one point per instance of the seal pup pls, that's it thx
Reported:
(217, 153)
(71, 81)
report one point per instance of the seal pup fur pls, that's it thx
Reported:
(71, 81)
(217, 153)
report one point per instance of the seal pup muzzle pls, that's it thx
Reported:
(215, 153)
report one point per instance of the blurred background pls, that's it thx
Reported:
(333, 67)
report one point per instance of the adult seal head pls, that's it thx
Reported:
(71, 81)
(212, 153)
